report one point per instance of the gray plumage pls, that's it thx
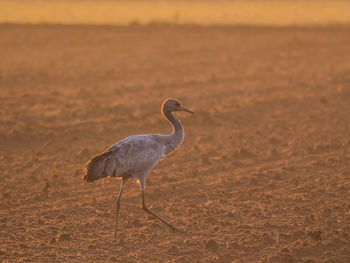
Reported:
(136, 156)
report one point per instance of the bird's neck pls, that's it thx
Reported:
(176, 136)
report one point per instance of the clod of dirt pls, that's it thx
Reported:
(327, 212)
(121, 242)
(206, 160)
(253, 182)
(6, 195)
(133, 223)
(64, 237)
(61, 217)
(233, 245)
(274, 141)
(173, 250)
(33, 178)
(266, 238)
(307, 220)
(136, 222)
(45, 189)
(52, 241)
(91, 246)
(315, 235)
(243, 153)
(211, 245)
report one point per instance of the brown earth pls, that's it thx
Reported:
(263, 174)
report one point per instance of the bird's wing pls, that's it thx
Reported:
(137, 154)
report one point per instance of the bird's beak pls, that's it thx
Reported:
(187, 110)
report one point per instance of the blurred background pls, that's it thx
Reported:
(204, 12)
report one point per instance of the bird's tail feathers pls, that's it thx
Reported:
(100, 166)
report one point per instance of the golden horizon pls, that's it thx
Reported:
(278, 13)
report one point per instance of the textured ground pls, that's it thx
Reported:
(263, 174)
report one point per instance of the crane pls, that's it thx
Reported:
(135, 156)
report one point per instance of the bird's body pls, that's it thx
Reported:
(136, 156)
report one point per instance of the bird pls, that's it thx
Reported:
(135, 157)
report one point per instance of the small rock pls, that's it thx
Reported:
(64, 237)
(211, 245)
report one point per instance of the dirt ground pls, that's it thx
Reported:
(263, 174)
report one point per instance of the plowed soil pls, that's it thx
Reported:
(263, 174)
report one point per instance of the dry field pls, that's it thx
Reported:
(263, 174)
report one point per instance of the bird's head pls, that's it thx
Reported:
(170, 105)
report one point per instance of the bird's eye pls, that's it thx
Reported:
(177, 104)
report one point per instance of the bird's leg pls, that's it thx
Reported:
(123, 183)
(144, 207)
